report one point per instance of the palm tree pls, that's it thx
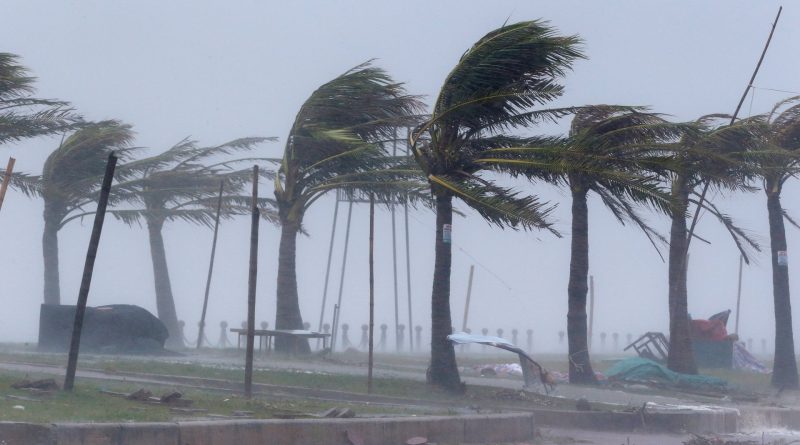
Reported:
(335, 144)
(178, 185)
(614, 152)
(493, 88)
(23, 116)
(70, 181)
(715, 155)
(777, 161)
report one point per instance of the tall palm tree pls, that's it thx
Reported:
(614, 152)
(715, 155)
(70, 181)
(776, 162)
(493, 88)
(335, 144)
(24, 116)
(181, 184)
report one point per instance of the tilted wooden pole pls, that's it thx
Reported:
(88, 269)
(469, 295)
(371, 288)
(251, 289)
(6, 180)
(739, 294)
(210, 267)
(591, 309)
(733, 119)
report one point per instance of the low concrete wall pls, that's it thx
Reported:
(700, 422)
(440, 429)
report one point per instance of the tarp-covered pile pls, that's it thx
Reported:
(641, 370)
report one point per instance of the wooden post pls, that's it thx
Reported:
(6, 180)
(469, 295)
(88, 269)
(210, 267)
(371, 288)
(739, 294)
(251, 289)
(591, 308)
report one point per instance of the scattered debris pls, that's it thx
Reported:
(174, 399)
(242, 414)
(18, 407)
(189, 410)
(22, 398)
(339, 413)
(141, 395)
(583, 405)
(42, 385)
(419, 440)
(708, 440)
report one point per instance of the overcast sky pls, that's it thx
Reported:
(216, 71)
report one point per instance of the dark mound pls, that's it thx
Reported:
(112, 329)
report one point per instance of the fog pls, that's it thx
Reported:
(216, 71)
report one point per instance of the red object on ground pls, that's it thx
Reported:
(709, 330)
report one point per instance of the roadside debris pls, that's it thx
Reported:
(709, 440)
(174, 399)
(41, 385)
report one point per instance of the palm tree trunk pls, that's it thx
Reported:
(580, 365)
(287, 314)
(784, 373)
(165, 303)
(443, 370)
(52, 289)
(681, 357)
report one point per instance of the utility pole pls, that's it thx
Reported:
(210, 268)
(251, 288)
(469, 295)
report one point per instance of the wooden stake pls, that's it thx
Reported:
(469, 295)
(591, 308)
(210, 267)
(251, 289)
(6, 180)
(88, 269)
(371, 288)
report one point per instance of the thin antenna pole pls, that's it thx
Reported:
(328, 267)
(88, 270)
(469, 295)
(344, 267)
(397, 338)
(371, 288)
(739, 293)
(408, 273)
(733, 119)
(251, 288)
(210, 267)
(6, 180)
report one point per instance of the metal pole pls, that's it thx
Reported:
(591, 308)
(251, 289)
(408, 274)
(733, 119)
(210, 267)
(739, 293)
(328, 267)
(7, 180)
(394, 263)
(88, 269)
(371, 288)
(469, 295)
(344, 265)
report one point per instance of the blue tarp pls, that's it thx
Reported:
(642, 370)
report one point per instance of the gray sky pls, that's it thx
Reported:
(221, 70)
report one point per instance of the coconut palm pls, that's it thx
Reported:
(494, 88)
(776, 162)
(23, 116)
(70, 182)
(335, 144)
(614, 152)
(182, 183)
(715, 155)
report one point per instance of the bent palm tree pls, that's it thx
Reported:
(614, 152)
(23, 116)
(177, 185)
(715, 155)
(335, 143)
(493, 88)
(777, 161)
(70, 181)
